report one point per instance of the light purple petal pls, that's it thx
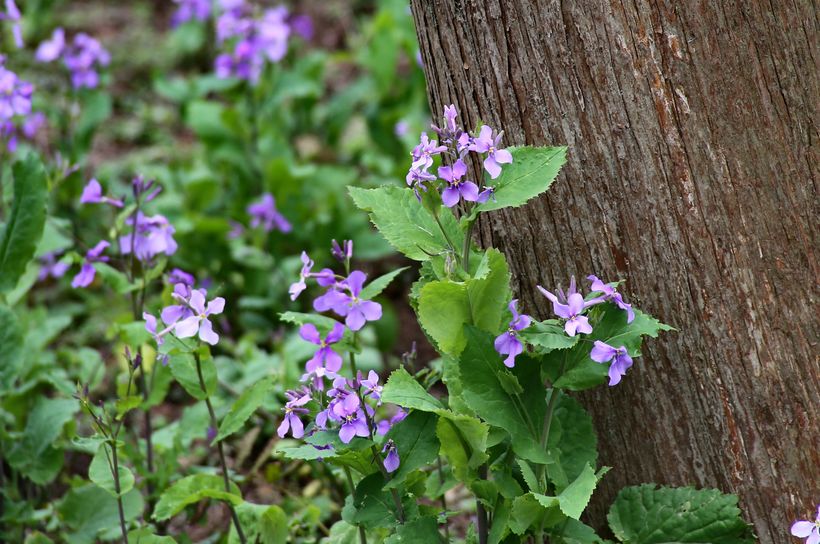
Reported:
(187, 327)
(575, 301)
(469, 191)
(347, 432)
(283, 428)
(207, 334)
(355, 281)
(85, 276)
(355, 319)
(335, 334)
(450, 196)
(309, 333)
(333, 361)
(172, 314)
(391, 462)
(216, 306)
(372, 311)
(602, 352)
(492, 167)
(297, 429)
(503, 156)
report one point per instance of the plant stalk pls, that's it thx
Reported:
(362, 533)
(481, 512)
(443, 499)
(116, 474)
(220, 449)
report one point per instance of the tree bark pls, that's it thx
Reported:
(693, 162)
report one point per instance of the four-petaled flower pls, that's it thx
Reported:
(424, 152)
(372, 388)
(87, 270)
(808, 529)
(293, 408)
(487, 143)
(507, 343)
(456, 188)
(199, 322)
(570, 307)
(325, 362)
(355, 310)
(609, 293)
(621, 361)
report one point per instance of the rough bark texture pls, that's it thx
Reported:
(693, 135)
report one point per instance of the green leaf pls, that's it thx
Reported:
(529, 476)
(647, 514)
(183, 367)
(405, 224)
(24, 227)
(489, 291)
(144, 535)
(572, 443)
(423, 530)
(403, 390)
(547, 336)
(369, 505)
(91, 513)
(126, 404)
(99, 472)
(192, 489)
(416, 443)
(480, 368)
(375, 287)
(261, 523)
(33, 455)
(574, 499)
(501, 519)
(531, 173)
(11, 346)
(463, 441)
(574, 532)
(531, 510)
(244, 407)
(443, 309)
(574, 370)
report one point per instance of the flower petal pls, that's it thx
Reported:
(207, 334)
(187, 327)
(216, 306)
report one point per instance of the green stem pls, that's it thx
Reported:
(481, 513)
(443, 499)
(443, 231)
(362, 534)
(555, 396)
(116, 473)
(465, 254)
(220, 449)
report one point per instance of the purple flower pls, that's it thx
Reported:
(569, 307)
(507, 343)
(383, 426)
(264, 213)
(199, 322)
(189, 10)
(51, 49)
(296, 288)
(151, 327)
(486, 143)
(302, 25)
(621, 361)
(83, 58)
(272, 33)
(486, 194)
(50, 266)
(13, 14)
(372, 388)
(416, 178)
(237, 230)
(87, 270)
(32, 124)
(354, 425)
(15, 94)
(176, 312)
(609, 293)
(401, 128)
(807, 529)
(92, 194)
(177, 275)
(391, 460)
(325, 361)
(456, 188)
(154, 235)
(293, 408)
(355, 310)
(424, 152)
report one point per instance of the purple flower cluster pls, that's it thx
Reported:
(343, 294)
(190, 316)
(810, 530)
(571, 306)
(264, 213)
(188, 10)
(150, 236)
(456, 144)
(254, 39)
(83, 57)
(87, 270)
(15, 94)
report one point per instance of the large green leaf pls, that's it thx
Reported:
(370, 505)
(463, 441)
(416, 444)
(405, 224)
(531, 173)
(100, 472)
(192, 489)
(11, 346)
(91, 513)
(403, 390)
(647, 514)
(260, 523)
(24, 227)
(492, 392)
(444, 307)
(33, 454)
(574, 370)
(572, 443)
(244, 407)
(420, 531)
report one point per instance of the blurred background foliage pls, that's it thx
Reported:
(340, 109)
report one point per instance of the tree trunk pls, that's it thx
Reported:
(693, 161)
